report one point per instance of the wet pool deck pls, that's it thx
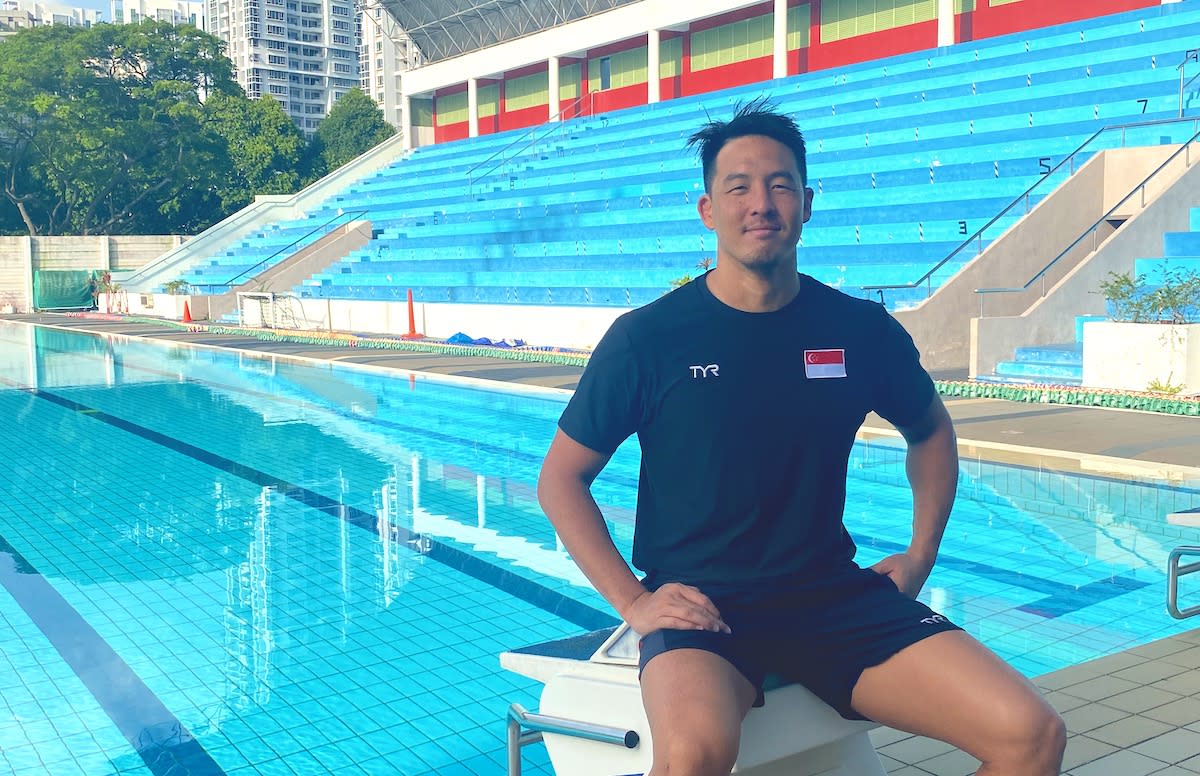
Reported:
(1133, 713)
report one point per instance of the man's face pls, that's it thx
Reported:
(758, 205)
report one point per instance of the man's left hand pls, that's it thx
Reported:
(906, 571)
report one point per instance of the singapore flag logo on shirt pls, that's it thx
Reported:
(820, 364)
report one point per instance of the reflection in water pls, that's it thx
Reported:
(292, 507)
(395, 526)
(249, 639)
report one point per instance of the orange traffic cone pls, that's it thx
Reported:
(412, 321)
(187, 313)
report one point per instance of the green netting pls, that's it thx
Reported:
(65, 289)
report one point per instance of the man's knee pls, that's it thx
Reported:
(706, 755)
(1033, 734)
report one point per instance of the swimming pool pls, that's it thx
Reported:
(248, 564)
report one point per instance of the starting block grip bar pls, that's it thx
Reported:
(526, 728)
(1174, 571)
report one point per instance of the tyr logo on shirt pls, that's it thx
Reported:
(820, 364)
(706, 371)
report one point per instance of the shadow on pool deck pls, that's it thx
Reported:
(1133, 713)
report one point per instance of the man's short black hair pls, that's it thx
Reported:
(758, 117)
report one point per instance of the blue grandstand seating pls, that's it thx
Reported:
(908, 155)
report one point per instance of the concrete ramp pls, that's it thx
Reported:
(1047, 316)
(309, 260)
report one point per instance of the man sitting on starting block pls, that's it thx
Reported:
(746, 388)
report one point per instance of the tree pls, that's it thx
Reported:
(266, 150)
(102, 130)
(353, 127)
(34, 77)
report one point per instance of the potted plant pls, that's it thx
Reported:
(1152, 341)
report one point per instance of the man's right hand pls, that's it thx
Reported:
(675, 606)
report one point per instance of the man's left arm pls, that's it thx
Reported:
(932, 468)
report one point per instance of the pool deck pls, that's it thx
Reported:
(1133, 713)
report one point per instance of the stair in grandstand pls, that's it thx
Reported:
(1043, 364)
(1062, 364)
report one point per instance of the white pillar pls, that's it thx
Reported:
(554, 87)
(406, 123)
(416, 484)
(480, 501)
(945, 17)
(653, 80)
(473, 107)
(779, 61)
(28, 272)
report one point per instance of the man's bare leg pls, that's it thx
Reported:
(952, 688)
(695, 702)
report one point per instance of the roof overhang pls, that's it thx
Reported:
(449, 28)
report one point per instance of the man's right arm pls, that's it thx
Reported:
(564, 492)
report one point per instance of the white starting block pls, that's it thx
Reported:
(1175, 570)
(592, 721)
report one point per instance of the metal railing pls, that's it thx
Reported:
(526, 728)
(1191, 55)
(527, 141)
(349, 216)
(215, 232)
(1023, 198)
(1094, 229)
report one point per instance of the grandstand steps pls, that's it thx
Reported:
(908, 157)
(1044, 364)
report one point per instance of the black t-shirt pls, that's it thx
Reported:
(746, 421)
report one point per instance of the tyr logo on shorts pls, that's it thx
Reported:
(936, 619)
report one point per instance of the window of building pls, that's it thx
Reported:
(527, 91)
(841, 19)
(736, 42)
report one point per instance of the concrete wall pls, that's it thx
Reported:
(1129, 356)
(941, 325)
(1051, 319)
(20, 257)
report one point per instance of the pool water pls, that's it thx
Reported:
(242, 564)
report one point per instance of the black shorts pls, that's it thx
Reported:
(822, 637)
